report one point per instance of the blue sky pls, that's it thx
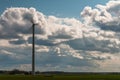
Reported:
(60, 8)
(71, 35)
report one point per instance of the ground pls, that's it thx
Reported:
(62, 77)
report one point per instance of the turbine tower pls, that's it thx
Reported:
(33, 47)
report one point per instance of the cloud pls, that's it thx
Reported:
(61, 43)
(106, 17)
(16, 21)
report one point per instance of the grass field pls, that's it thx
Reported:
(62, 77)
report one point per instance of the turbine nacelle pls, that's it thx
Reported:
(34, 23)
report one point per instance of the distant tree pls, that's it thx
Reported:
(15, 71)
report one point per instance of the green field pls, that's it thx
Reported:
(62, 77)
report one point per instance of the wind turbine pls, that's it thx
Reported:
(33, 46)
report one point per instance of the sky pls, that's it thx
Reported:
(71, 36)
(60, 8)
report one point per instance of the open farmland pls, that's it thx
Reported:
(62, 77)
